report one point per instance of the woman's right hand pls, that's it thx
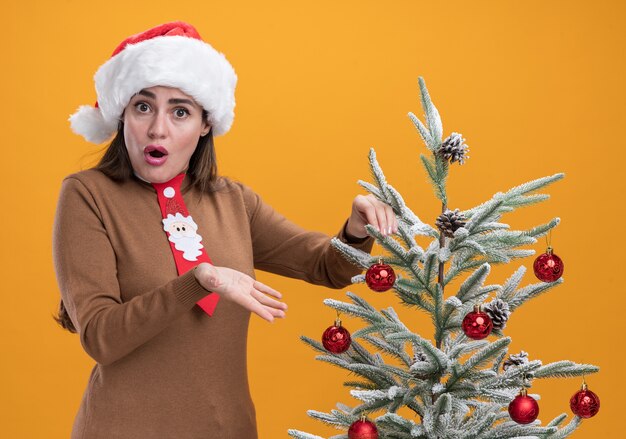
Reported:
(241, 289)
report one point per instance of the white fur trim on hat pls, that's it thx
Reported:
(188, 64)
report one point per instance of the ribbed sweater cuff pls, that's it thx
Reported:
(187, 289)
(364, 244)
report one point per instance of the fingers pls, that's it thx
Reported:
(268, 301)
(372, 216)
(264, 306)
(267, 290)
(381, 216)
(265, 312)
(261, 311)
(392, 221)
(251, 304)
(369, 210)
(277, 313)
(276, 308)
(243, 290)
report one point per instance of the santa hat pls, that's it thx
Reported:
(171, 55)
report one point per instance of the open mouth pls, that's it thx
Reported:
(155, 154)
(156, 151)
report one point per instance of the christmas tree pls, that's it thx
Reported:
(459, 384)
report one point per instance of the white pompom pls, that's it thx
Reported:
(89, 123)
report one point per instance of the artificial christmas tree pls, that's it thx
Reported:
(457, 387)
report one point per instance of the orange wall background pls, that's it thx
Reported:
(535, 87)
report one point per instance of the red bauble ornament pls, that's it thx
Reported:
(336, 339)
(477, 324)
(585, 403)
(363, 429)
(523, 409)
(548, 267)
(380, 277)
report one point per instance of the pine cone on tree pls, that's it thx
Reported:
(453, 149)
(449, 221)
(419, 356)
(499, 312)
(515, 360)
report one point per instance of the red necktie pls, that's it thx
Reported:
(182, 234)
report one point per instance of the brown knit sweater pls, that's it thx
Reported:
(164, 368)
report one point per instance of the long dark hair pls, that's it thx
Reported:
(115, 164)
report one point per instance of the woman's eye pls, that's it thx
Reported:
(142, 107)
(181, 112)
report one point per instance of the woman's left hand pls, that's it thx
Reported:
(367, 209)
(241, 289)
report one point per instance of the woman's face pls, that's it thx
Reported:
(162, 126)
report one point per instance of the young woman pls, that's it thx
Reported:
(147, 242)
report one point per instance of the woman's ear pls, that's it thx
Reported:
(206, 127)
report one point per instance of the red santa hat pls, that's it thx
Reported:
(171, 55)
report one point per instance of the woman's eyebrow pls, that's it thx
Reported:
(180, 101)
(174, 101)
(147, 93)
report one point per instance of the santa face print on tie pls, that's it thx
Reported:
(182, 232)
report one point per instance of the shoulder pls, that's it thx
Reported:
(99, 184)
(239, 191)
(79, 192)
(90, 179)
(86, 182)
(95, 188)
(228, 185)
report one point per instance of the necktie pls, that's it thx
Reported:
(182, 233)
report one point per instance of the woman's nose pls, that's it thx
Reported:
(158, 126)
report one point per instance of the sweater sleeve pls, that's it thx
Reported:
(284, 248)
(85, 266)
